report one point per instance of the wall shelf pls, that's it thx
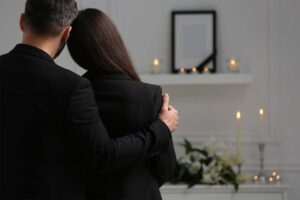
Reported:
(199, 79)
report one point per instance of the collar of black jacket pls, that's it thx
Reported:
(31, 50)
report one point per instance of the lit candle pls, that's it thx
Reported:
(261, 125)
(182, 70)
(238, 139)
(205, 70)
(233, 65)
(274, 173)
(278, 179)
(156, 66)
(271, 179)
(255, 179)
(194, 70)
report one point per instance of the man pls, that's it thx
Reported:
(52, 138)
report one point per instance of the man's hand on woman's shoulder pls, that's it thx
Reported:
(168, 114)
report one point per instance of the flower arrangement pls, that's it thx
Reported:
(214, 164)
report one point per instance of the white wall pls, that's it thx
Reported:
(263, 34)
(288, 81)
(9, 22)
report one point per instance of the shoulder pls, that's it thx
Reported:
(143, 89)
(66, 73)
(154, 90)
(122, 84)
(63, 82)
(62, 76)
(153, 93)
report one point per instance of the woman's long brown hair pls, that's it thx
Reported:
(96, 45)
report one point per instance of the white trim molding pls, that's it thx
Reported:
(249, 188)
(230, 137)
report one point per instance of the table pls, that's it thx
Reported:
(246, 192)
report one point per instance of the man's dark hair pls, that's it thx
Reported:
(49, 17)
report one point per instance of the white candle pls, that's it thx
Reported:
(182, 70)
(156, 66)
(238, 139)
(233, 65)
(205, 70)
(255, 179)
(278, 179)
(271, 179)
(261, 125)
(194, 70)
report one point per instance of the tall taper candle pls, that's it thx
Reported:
(261, 125)
(238, 139)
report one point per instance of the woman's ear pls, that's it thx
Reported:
(22, 22)
(66, 34)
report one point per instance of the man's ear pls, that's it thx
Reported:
(66, 33)
(22, 22)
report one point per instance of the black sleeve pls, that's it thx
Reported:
(90, 140)
(164, 163)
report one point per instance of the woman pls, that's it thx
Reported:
(126, 105)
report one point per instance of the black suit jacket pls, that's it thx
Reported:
(52, 138)
(126, 106)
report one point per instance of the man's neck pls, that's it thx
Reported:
(45, 44)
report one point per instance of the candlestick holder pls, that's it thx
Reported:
(262, 175)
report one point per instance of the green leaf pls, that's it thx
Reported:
(203, 152)
(181, 172)
(192, 183)
(188, 146)
(236, 187)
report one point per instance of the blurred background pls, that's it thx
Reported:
(262, 34)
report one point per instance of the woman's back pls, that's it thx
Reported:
(127, 106)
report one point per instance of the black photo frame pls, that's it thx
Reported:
(194, 36)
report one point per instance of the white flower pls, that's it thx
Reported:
(192, 161)
(185, 160)
(194, 167)
(228, 158)
(207, 178)
(191, 158)
(211, 173)
(213, 147)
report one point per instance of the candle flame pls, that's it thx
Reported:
(238, 115)
(194, 69)
(271, 179)
(205, 70)
(155, 62)
(182, 70)
(261, 112)
(232, 62)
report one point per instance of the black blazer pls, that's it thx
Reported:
(126, 106)
(51, 137)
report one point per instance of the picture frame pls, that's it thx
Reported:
(194, 41)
